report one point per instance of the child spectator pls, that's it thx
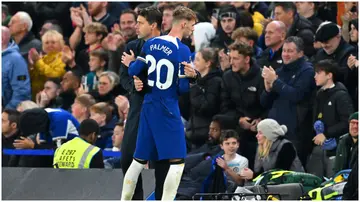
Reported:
(81, 107)
(231, 162)
(97, 64)
(102, 113)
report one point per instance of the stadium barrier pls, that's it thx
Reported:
(64, 184)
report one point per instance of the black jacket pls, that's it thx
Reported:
(240, 96)
(7, 143)
(333, 107)
(204, 104)
(274, 60)
(351, 189)
(126, 81)
(340, 55)
(303, 28)
(315, 21)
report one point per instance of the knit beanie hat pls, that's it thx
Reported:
(271, 129)
(354, 116)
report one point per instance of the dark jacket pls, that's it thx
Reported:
(205, 103)
(347, 153)
(268, 58)
(315, 21)
(340, 55)
(257, 52)
(196, 170)
(127, 81)
(351, 189)
(333, 107)
(7, 143)
(303, 28)
(282, 155)
(294, 86)
(28, 42)
(240, 96)
(66, 99)
(33, 161)
(59, 11)
(104, 140)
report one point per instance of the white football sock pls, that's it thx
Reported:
(130, 180)
(172, 182)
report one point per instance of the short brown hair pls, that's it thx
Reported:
(184, 13)
(226, 134)
(103, 108)
(86, 100)
(100, 53)
(169, 6)
(243, 48)
(97, 28)
(246, 32)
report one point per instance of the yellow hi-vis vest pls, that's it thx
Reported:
(74, 154)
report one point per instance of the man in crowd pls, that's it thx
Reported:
(275, 35)
(15, 74)
(308, 11)
(348, 149)
(296, 25)
(288, 93)
(240, 97)
(20, 29)
(10, 132)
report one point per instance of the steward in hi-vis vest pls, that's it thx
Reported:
(80, 152)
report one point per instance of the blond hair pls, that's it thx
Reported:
(55, 35)
(103, 108)
(264, 149)
(183, 13)
(97, 28)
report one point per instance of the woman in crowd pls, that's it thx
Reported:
(48, 66)
(107, 82)
(204, 97)
(353, 62)
(274, 151)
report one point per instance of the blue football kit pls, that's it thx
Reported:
(161, 132)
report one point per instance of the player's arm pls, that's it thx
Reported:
(184, 60)
(183, 84)
(137, 66)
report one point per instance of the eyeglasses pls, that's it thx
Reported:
(103, 83)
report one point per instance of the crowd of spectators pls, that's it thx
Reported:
(268, 71)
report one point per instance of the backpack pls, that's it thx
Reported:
(275, 177)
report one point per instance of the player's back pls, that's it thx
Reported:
(164, 55)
